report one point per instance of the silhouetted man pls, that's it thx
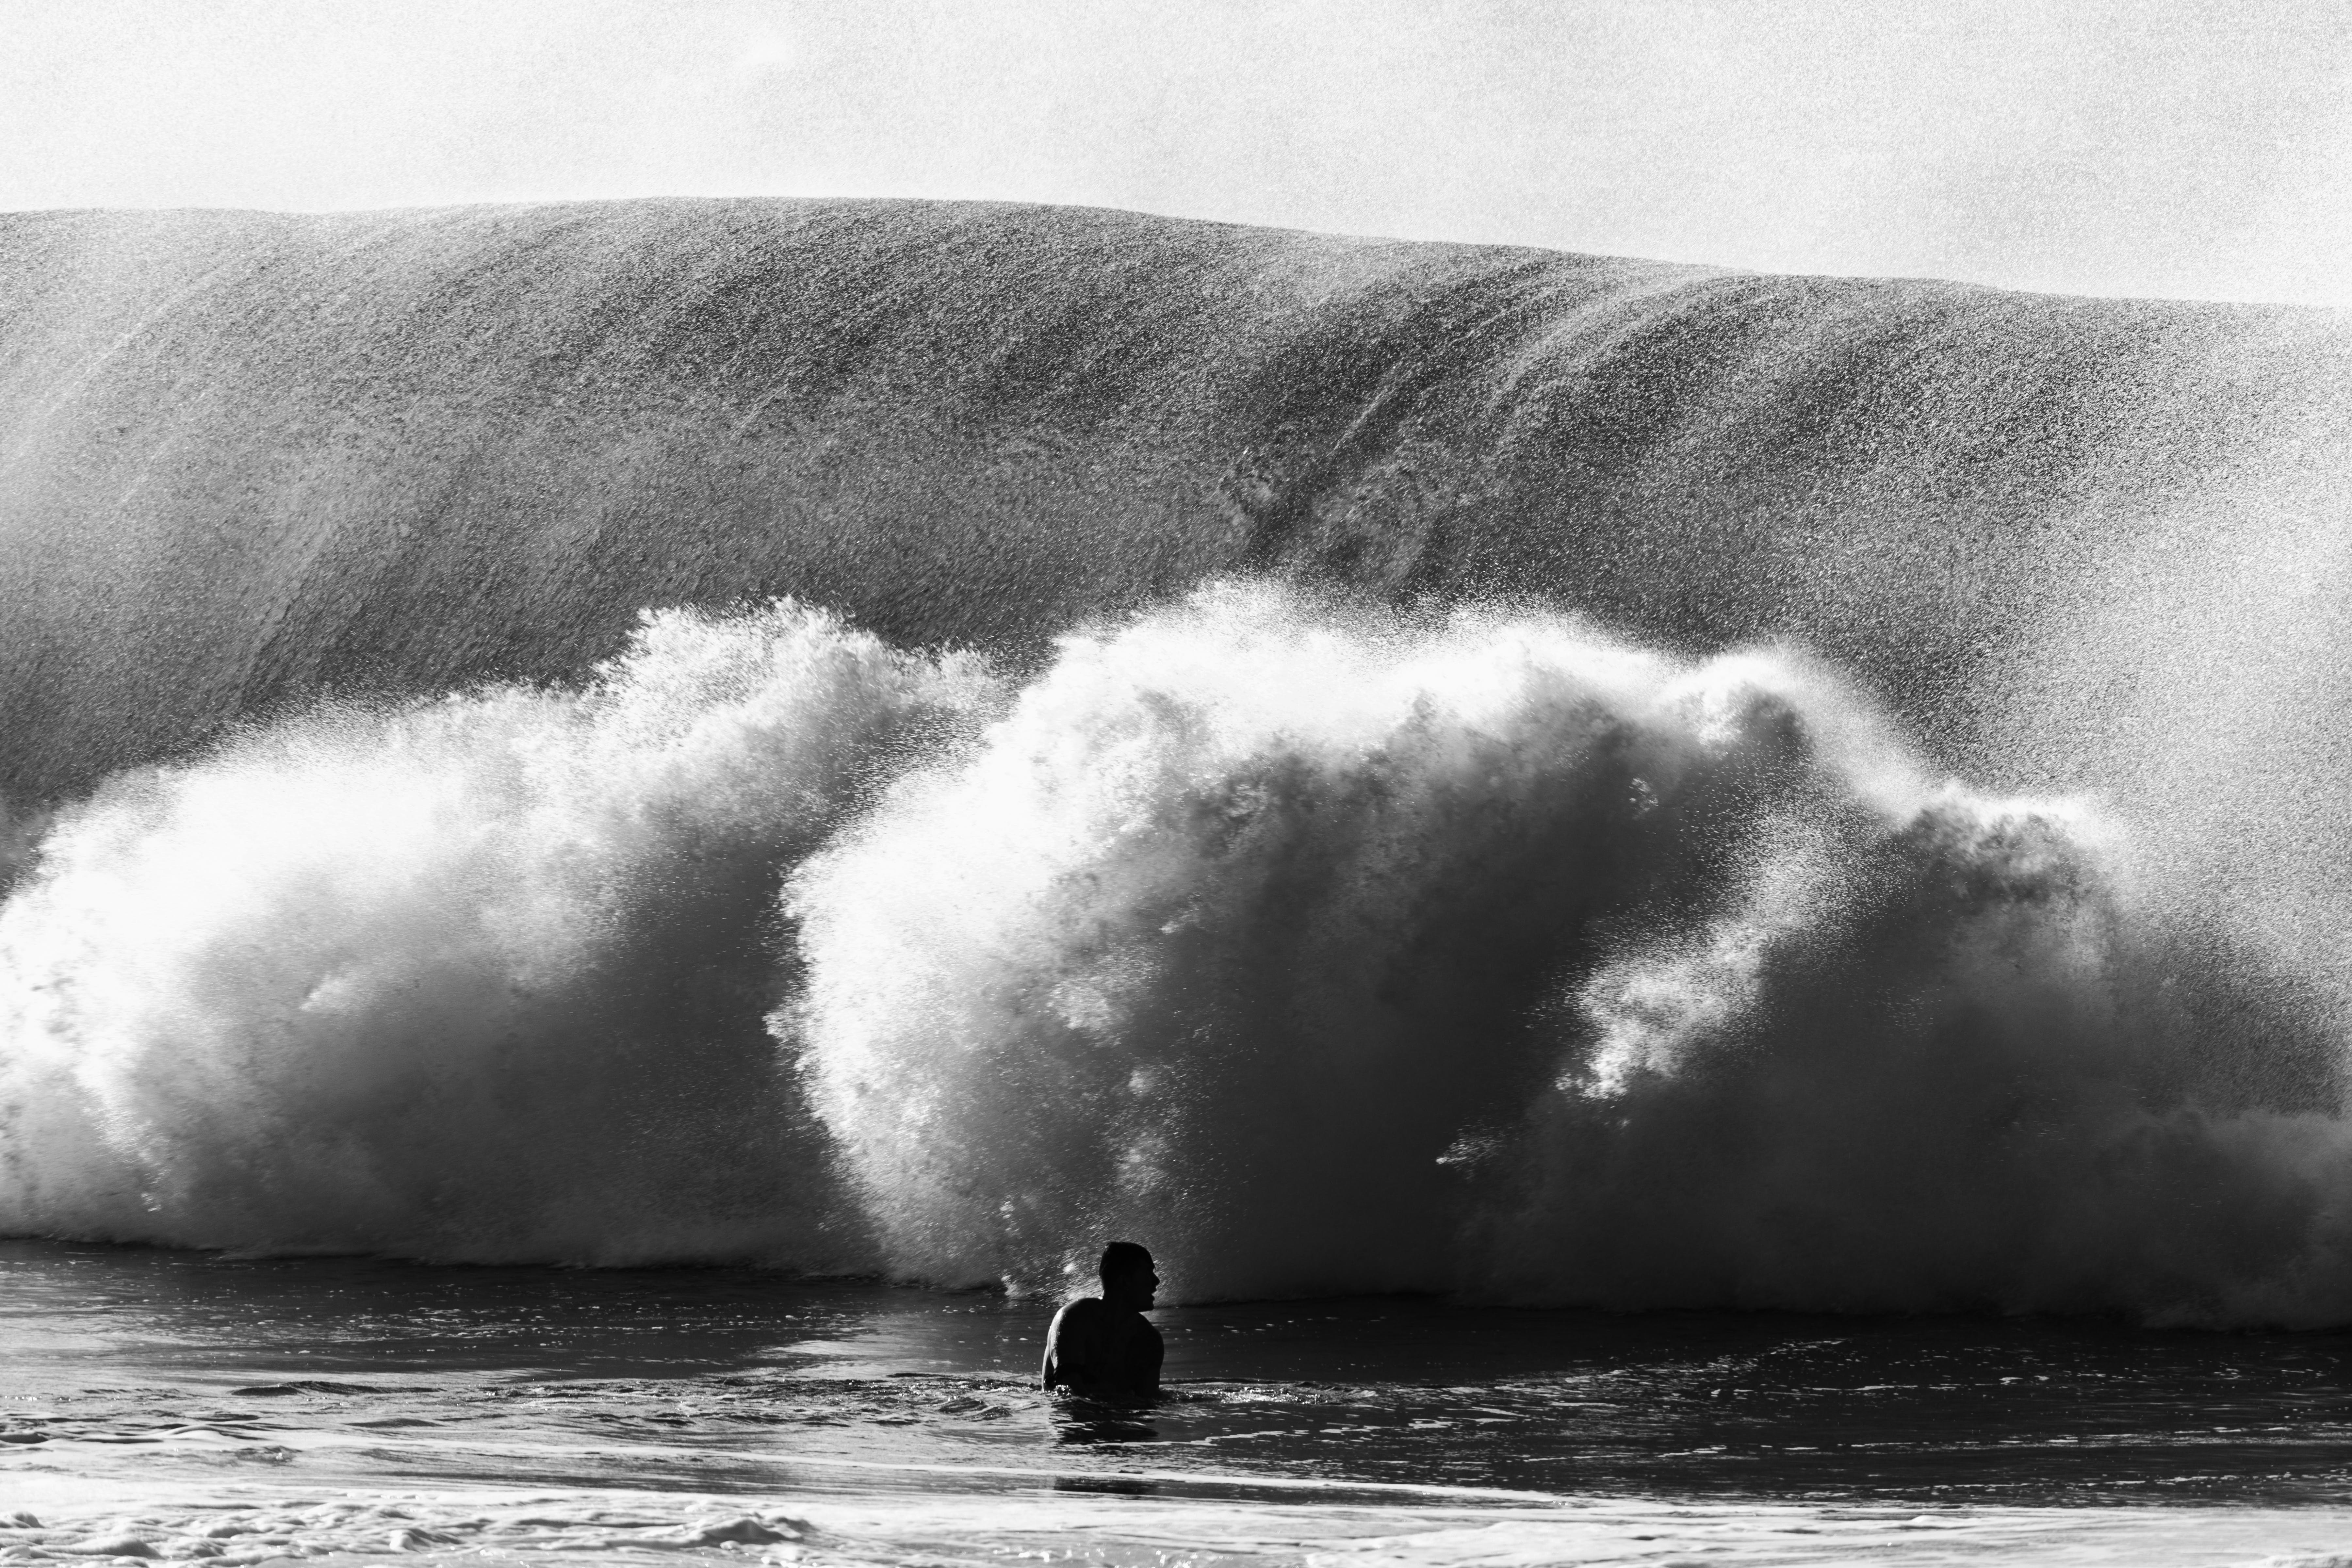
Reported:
(1102, 1347)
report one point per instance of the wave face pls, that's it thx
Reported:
(1533, 872)
(1328, 948)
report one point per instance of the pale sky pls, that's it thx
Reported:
(2109, 146)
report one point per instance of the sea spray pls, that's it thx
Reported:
(1344, 951)
(1934, 1061)
(1324, 948)
(475, 979)
(1242, 932)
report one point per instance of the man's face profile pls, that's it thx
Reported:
(1133, 1283)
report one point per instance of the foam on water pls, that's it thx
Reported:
(475, 979)
(1344, 954)
(1324, 948)
(242, 1524)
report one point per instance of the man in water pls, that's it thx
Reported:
(1101, 1347)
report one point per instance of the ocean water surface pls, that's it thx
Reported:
(185, 1404)
(1702, 917)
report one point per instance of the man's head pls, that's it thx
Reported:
(1127, 1277)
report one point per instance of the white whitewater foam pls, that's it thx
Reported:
(1323, 949)
(1328, 953)
(476, 979)
(62, 1520)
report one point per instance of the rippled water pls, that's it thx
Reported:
(192, 1391)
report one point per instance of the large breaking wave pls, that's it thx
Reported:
(1324, 948)
(478, 979)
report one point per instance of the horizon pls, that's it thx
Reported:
(2129, 149)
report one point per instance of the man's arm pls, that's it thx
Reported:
(1069, 1364)
(1049, 1372)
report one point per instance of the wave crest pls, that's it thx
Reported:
(1356, 953)
(476, 979)
(1322, 947)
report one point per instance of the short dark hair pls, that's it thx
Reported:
(1121, 1256)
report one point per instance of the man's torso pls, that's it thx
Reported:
(1094, 1346)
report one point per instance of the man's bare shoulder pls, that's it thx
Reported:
(1083, 1319)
